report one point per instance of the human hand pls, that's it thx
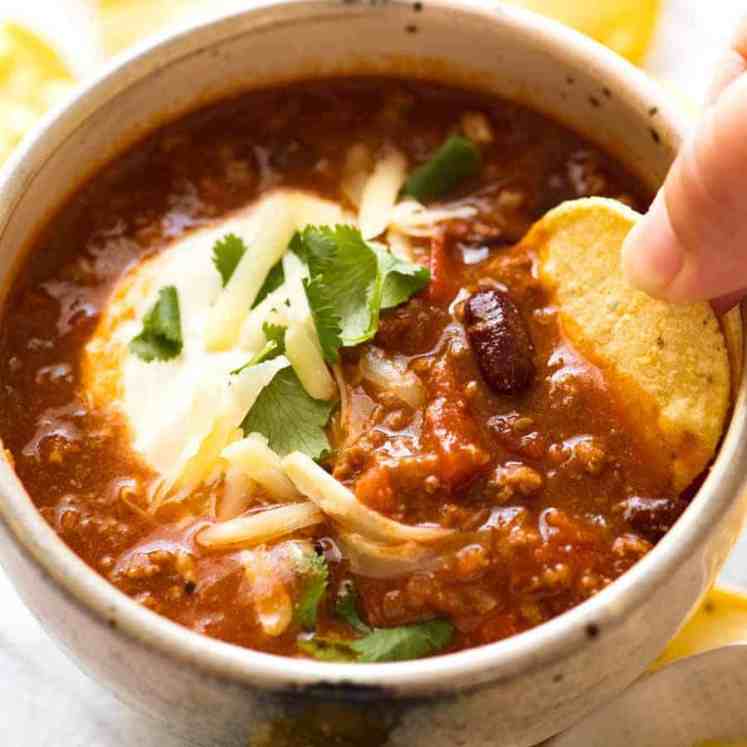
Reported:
(692, 244)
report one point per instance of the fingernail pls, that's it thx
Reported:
(651, 255)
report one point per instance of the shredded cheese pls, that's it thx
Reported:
(313, 211)
(216, 414)
(275, 227)
(252, 338)
(380, 192)
(272, 602)
(263, 526)
(302, 344)
(358, 164)
(413, 219)
(255, 458)
(341, 505)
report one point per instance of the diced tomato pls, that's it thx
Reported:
(374, 488)
(443, 286)
(454, 435)
(450, 429)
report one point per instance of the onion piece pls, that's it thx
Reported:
(380, 193)
(413, 219)
(399, 245)
(302, 344)
(375, 560)
(262, 526)
(341, 505)
(275, 228)
(255, 458)
(392, 376)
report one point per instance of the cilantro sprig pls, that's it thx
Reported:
(352, 280)
(227, 253)
(275, 346)
(346, 608)
(326, 319)
(315, 573)
(402, 643)
(161, 336)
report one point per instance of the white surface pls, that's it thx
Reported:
(46, 701)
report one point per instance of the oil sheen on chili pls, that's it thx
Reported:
(462, 408)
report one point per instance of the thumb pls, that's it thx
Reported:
(692, 244)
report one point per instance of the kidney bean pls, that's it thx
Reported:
(500, 341)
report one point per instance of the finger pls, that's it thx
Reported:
(692, 244)
(728, 302)
(732, 65)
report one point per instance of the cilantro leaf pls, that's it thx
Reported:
(275, 278)
(275, 334)
(346, 608)
(403, 643)
(274, 347)
(315, 246)
(384, 644)
(316, 573)
(289, 418)
(326, 320)
(227, 253)
(353, 280)
(161, 336)
(400, 279)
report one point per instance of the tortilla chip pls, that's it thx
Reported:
(667, 365)
(33, 78)
(720, 620)
(625, 26)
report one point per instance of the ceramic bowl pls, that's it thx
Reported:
(698, 699)
(515, 692)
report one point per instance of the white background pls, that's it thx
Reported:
(45, 701)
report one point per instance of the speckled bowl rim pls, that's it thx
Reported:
(550, 642)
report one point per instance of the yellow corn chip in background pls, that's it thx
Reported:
(33, 77)
(125, 22)
(721, 619)
(625, 26)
